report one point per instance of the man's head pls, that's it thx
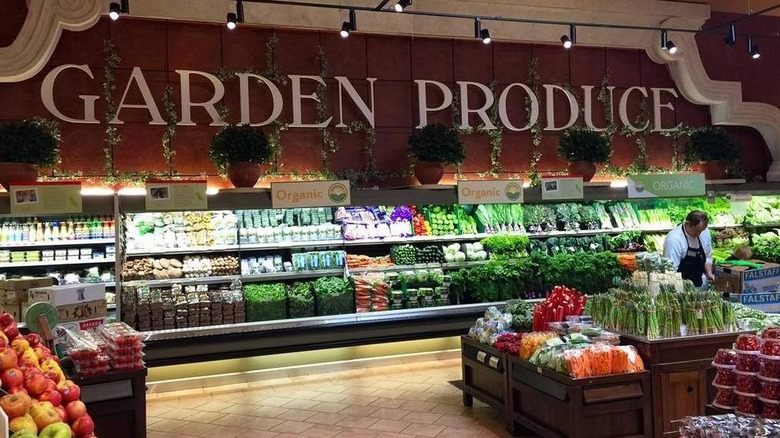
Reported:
(696, 222)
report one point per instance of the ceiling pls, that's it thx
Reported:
(738, 6)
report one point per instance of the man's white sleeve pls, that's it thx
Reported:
(674, 250)
(706, 244)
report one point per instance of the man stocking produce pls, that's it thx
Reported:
(689, 246)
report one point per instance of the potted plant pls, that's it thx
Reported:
(583, 148)
(432, 147)
(714, 149)
(237, 151)
(26, 146)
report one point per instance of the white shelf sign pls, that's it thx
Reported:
(310, 194)
(45, 198)
(176, 195)
(555, 189)
(490, 192)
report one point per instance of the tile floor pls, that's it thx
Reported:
(407, 399)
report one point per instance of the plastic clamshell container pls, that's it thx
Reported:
(725, 357)
(747, 342)
(748, 363)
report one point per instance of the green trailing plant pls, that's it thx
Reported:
(437, 143)
(712, 144)
(536, 128)
(580, 143)
(112, 137)
(170, 129)
(238, 144)
(33, 141)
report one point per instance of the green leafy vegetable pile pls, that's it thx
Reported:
(522, 315)
(766, 246)
(265, 302)
(505, 246)
(301, 300)
(334, 296)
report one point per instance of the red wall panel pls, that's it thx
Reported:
(161, 47)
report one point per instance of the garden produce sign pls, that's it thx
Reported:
(310, 194)
(554, 189)
(666, 186)
(490, 192)
(176, 195)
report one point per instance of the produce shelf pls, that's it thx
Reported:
(276, 276)
(194, 249)
(56, 243)
(169, 347)
(336, 243)
(55, 263)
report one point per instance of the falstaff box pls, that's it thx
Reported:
(757, 277)
(68, 294)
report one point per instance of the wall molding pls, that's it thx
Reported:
(46, 19)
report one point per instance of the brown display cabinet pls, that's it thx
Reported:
(681, 370)
(553, 405)
(116, 401)
(484, 375)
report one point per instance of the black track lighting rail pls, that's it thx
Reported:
(742, 18)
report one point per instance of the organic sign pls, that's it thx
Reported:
(176, 195)
(554, 189)
(45, 198)
(490, 192)
(666, 186)
(310, 194)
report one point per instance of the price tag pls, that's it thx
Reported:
(494, 362)
(539, 370)
(481, 356)
(699, 314)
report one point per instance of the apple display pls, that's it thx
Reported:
(56, 430)
(35, 383)
(7, 358)
(52, 396)
(44, 414)
(76, 409)
(70, 391)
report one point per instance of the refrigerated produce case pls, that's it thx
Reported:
(225, 251)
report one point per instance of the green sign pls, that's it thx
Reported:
(666, 186)
(555, 189)
(45, 198)
(164, 195)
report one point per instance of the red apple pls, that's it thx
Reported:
(15, 405)
(83, 426)
(12, 378)
(18, 389)
(52, 375)
(35, 383)
(6, 319)
(7, 358)
(76, 409)
(50, 385)
(12, 331)
(54, 397)
(70, 391)
(33, 339)
(63, 414)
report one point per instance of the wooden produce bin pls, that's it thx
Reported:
(553, 405)
(682, 373)
(484, 374)
(116, 401)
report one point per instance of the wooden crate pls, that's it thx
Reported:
(552, 405)
(484, 374)
(681, 374)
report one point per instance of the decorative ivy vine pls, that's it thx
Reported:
(536, 129)
(170, 129)
(112, 137)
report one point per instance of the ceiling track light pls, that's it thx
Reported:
(116, 9)
(233, 18)
(731, 35)
(481, 33)
(349, 26)
(570, 39)
(753, 49)
(667, 44)
(402, 4)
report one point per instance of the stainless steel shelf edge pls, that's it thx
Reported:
(56, 243)
(55, 263)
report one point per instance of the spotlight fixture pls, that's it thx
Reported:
(233, 18)
(117, 9)
(570, 39)
(349, 26)
(402, 4)
(667, 44)
(753, 49)
(731, 36)
(479, 32)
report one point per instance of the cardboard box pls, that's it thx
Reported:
(766, 302)
(26, 283)
(88, 310)
(13, 297)
(746, 280)
(68, 294)
(15, 311)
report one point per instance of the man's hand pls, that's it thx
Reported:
(710, 276)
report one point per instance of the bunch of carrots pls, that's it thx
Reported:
(601, 360)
